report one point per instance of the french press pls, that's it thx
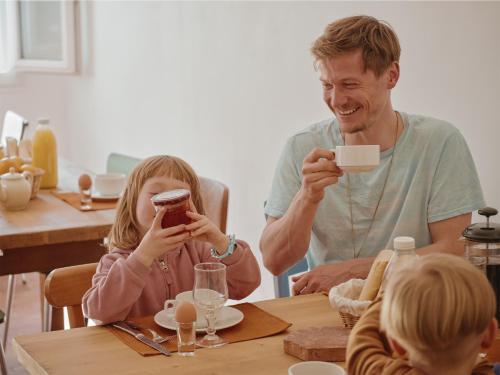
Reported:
(482, 249)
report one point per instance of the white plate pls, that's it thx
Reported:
(229, 316)
(99, 197)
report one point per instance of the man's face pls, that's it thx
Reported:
(357, 98)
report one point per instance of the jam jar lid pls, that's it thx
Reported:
(171, 196)
(484, 232)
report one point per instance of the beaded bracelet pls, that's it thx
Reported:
(230, 248)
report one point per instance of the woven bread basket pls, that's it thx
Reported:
(344, 299)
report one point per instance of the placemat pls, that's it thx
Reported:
(256, 323)
(73, 199)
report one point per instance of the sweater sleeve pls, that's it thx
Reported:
(368, 351)
(243, 273)
(116, 286)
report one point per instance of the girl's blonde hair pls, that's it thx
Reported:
(432, 305)
(125, 231)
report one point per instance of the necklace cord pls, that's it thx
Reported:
(353, 240)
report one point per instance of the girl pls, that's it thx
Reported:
(147, 264)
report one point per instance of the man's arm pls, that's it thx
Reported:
(445, 235)
(285, 240)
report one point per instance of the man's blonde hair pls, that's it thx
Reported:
(432, 305)
(125, 231)
(376, 39)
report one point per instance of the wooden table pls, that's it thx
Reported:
(50, 233)
(95, 350)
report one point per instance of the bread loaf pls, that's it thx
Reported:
(375, 277)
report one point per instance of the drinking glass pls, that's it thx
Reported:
(210, 294)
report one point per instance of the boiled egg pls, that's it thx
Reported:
(185, 312)
(85, 182)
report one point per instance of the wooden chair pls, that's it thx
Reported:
(215, 197)
(65, 287)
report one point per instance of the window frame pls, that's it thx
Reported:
(67, 63)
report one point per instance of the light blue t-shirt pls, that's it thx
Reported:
(432, 178)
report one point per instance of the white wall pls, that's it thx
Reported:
(224, 84)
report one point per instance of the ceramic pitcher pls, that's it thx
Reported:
(15, 189)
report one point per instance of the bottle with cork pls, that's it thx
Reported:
(45, 153)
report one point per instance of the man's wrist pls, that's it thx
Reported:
(306, 200)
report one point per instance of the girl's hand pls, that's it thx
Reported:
(158, 241)
(202, 229)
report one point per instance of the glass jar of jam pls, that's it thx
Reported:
(177, 203)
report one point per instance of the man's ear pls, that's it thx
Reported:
(489, 334)
(395, 346)
(393, 72)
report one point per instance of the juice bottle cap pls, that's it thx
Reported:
(43, 121)
(404, 243)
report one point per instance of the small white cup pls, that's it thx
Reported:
(357, 158)
(316, 368)
(110, 184)
(171, 304)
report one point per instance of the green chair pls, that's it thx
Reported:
(3, 365)
(119, 163)
(281, 284)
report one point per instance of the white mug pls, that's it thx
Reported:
(171, 304)
(109, 184)
(357, 158)
(316, 368)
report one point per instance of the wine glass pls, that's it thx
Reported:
(210, 294)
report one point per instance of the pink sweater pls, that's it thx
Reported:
(123, 287)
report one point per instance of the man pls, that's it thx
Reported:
(426, 185)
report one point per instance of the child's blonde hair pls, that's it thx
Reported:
(432, 305)
(125, 231)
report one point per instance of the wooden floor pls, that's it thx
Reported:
(25, 314)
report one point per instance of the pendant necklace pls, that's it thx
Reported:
(356, 255)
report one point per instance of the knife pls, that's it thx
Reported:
(140, 336)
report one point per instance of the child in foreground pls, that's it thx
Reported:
(437, 314)
(147, 264)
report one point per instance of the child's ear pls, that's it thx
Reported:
(489, 335)
(395, 346)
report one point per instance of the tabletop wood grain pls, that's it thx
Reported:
(95, 350)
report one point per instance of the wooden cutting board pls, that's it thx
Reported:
(318, 344)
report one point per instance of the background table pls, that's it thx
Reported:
(50, 233)
(95, 350)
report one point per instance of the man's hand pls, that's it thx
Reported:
(319, 171)
(324, 277)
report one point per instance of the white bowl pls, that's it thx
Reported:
(315, 368)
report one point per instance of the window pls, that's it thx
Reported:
(37, 36)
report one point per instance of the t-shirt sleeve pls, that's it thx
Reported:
(286, 181)
(455, 187)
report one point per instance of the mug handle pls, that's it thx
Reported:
(169, 307)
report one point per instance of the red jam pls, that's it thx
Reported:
(177, 203)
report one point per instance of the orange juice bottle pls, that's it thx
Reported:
(45, 153)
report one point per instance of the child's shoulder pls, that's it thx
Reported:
(115, 254)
